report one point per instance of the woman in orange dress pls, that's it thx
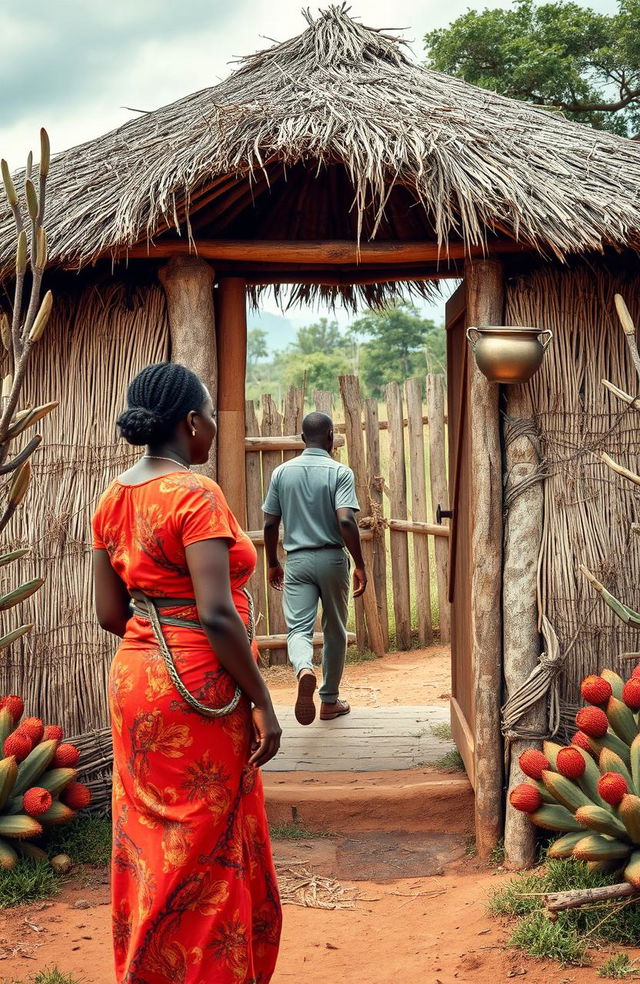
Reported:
(194, 892)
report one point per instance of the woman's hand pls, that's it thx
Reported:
(267, 733)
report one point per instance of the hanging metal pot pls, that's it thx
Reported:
(508, 354)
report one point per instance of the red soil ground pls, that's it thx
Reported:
(417, 919)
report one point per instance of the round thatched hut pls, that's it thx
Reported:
(335, 163)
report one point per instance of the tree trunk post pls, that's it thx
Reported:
(522, 536)
(188, 288)
(485, 304)
(231, 310)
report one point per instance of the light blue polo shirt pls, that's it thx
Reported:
(306, 491)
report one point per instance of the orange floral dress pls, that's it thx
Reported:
(195, 899)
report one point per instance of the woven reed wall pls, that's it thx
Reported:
(97, 340)
(588, 510)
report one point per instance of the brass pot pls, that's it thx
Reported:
(508, 354)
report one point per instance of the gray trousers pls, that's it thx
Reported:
(311, 576)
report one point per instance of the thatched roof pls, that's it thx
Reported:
(338, 133)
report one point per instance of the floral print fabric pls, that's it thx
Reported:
(195, 897)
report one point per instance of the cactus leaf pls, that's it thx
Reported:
(599, 847)
(30, 418)
(621, 720)
(20, 484)
(8, 775)
(32, 198)
(8, 558)
(9, 188)
(634, 757)
(615, 680)
(6, 725)
(56, 780)
(5, 331)
(56, 814)
(45, 153)
(629, 813)
(610, 762)
(551, 749)
(20, 594)
(36, 763)
(28, 850)
(42, 317)
(632, 871)
(21, 253)
(614, 744)
(42, 253)
(14, 635)
(19, 825)
(8, 856)
(555, 818)
(563, 846)
(601, 820)
(565, 791)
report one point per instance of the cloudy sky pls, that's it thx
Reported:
(74, 65)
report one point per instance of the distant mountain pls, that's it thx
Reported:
(280, 331)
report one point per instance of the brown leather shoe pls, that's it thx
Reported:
(328, 712)
(305, 709)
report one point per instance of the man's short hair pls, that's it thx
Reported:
(316, 426)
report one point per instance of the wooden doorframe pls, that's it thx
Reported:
(475, 718)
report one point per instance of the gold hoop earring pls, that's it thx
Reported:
(193, 431)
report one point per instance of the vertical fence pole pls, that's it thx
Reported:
(439, 494)
(375, 482)
(398, 509)
(253, 472)
(272, 427)
(413, 392)
(350, 391)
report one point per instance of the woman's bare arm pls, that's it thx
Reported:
(208, 562)
(111, 596)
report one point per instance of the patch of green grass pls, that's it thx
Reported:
(87, 840)
(442, 731)
(28, 881)
(496, 857)
(523, 897)
(355, 656)
(539, 937)
(470, 849)
(618, 967)
(53, 976)
(295, 831)
(452, 760)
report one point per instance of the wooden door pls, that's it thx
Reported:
(462, 675)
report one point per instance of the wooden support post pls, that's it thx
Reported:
(293, 413)
(398, 509)
(522, 537)
(255, 498)
(188, 288)
(376, 483)
(484, 286)
(350, 391)
(272, 427)
(439, 494)
(413, 393)
(231, 311)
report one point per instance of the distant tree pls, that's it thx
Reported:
(317, 370)
(398, 343)
(560, 54)
(257, 348)
(321, 336)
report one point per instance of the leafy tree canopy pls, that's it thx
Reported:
(560, 55)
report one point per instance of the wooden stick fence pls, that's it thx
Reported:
(409, 470)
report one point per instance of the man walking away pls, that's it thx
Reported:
(315, 497)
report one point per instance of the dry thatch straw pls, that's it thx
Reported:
(588, 511)
(299, 885)
(97, 341)
(338, 133)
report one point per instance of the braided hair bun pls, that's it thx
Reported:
(157, 399)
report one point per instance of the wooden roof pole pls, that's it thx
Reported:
(327, 252)
(231, 319)
(188, 287)
(485, 302)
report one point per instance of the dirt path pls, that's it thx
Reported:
(420, 676)
(431, 930)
